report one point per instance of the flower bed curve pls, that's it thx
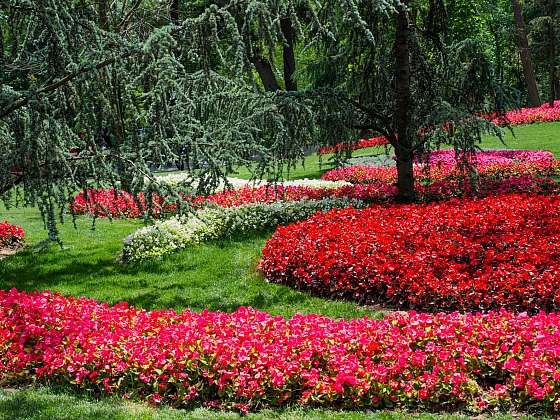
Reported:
(249, 359)
(465, 254)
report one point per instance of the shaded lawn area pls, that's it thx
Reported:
(218, 276)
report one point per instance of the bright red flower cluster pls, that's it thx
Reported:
(11, 235)
(111, 203)
(249, 359)
(468, 254)
(543, 113)
(443, 166)
(361, 144)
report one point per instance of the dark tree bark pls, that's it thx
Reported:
(403, 144)
(525, 54)
(103, 8)
(174, 11)
(289, 55)
(552, 52)
(266, 73)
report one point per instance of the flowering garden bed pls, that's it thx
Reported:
(541, 114)
(248, 359)
(443, 166)
(107, 203)
(12, 238)
(501, 251)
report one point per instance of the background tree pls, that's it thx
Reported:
(525, 54)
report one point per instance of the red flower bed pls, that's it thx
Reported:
(362, 144)
(443, 166)
(463, 254)
(249, 359)
(543, 113)
(10, 235)
(111, 203)
(106, 203)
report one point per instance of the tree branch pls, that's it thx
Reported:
(21, 102)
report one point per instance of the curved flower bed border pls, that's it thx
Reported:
(458, 255)
(248, 359)
(543, 113)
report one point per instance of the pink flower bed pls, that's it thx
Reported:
(249, 359)
(443, 166)
(463, 254)
(544, 113)
(11, 235)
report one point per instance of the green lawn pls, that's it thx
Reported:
(218, 276)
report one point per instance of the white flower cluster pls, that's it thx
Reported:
(178, 233)
(176, 180)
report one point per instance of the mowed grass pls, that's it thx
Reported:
(217, 276)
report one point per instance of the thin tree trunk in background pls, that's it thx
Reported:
(174, 11)
(103, 9)
(403, 146)
(552, 52)
(289, 55)
(525, 54)
(266, 73)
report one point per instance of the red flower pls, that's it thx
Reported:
(235, 360)
(463, 254)
(11, 235)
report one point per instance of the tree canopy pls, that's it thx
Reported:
(105, 93)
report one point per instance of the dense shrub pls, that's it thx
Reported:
(11, 235)
(217, 223)
(464, 254)
(249, 359)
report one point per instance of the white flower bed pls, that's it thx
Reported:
(178, 233)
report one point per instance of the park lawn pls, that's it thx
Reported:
(218, 276)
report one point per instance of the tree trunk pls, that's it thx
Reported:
(403, 144)
(266, 74)
(289, 55)
(174, 12)
(525, 54)
(552, 52)
(103, 8)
